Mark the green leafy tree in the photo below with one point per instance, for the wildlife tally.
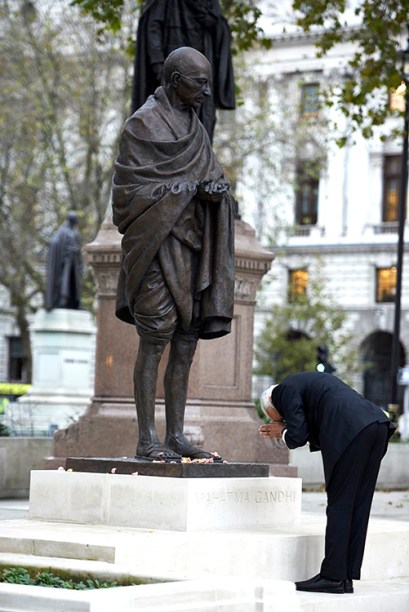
(374, 68)
(292, 332)
(63, 98)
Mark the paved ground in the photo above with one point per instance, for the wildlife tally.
(13, 509)
(387, 504)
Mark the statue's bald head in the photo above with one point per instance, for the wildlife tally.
(185, 60)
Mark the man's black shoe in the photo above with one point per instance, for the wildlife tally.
(319, 584)
(348, 586)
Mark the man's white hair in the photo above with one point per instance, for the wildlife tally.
(265, 398)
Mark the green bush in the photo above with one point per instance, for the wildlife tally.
(4, 431)
(16, 575)
(20, 575)
(14, 388)
(48, 579)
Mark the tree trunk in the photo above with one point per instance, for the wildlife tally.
(23, 325)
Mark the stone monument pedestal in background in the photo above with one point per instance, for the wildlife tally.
(63, 345)
(220, 413)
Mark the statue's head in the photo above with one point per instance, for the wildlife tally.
(187, 73)
(72, 218)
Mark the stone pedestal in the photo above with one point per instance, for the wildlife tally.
(175, 504)
(220, 414)
(63, 345)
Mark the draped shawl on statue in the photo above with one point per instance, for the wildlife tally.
(156, 177)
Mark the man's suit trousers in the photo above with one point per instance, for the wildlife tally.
(349, 497)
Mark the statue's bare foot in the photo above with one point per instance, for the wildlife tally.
(158, 452)
(183, 447)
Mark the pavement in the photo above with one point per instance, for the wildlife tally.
(392, 505)
(11, 509)
(386, 504)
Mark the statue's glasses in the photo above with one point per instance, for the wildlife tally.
(202, 83)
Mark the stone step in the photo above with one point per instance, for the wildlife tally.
(208, 594)
(283, 553)
(213, 561)
(368, 596)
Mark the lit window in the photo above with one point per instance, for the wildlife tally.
(307, 182)
(397, 98)
(386, 284)
(310, 103)
(297, 283)
(392, 171)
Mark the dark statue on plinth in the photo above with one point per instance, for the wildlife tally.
(166, 25)
(64, 266)
(175, 210)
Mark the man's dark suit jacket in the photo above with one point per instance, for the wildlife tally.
(320, 409)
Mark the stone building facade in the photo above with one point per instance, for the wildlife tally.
(342, 210)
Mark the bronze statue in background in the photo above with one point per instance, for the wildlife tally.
(174, 208)
(166, 25)
(64, 266)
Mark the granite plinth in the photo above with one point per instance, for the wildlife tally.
(129, 465)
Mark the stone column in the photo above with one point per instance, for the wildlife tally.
(220, 414)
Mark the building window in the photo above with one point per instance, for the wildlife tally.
(392, 171)
(310, 102)
(397, 98)
(297, 283)
(307, 182)
(17, 361)
(386, 284)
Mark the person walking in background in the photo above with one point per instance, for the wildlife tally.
(352, 434)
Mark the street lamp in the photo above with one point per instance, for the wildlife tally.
(395, 357)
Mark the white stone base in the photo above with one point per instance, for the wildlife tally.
(177, 504)
(63, 346)
(221, 571)
(63, 343)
